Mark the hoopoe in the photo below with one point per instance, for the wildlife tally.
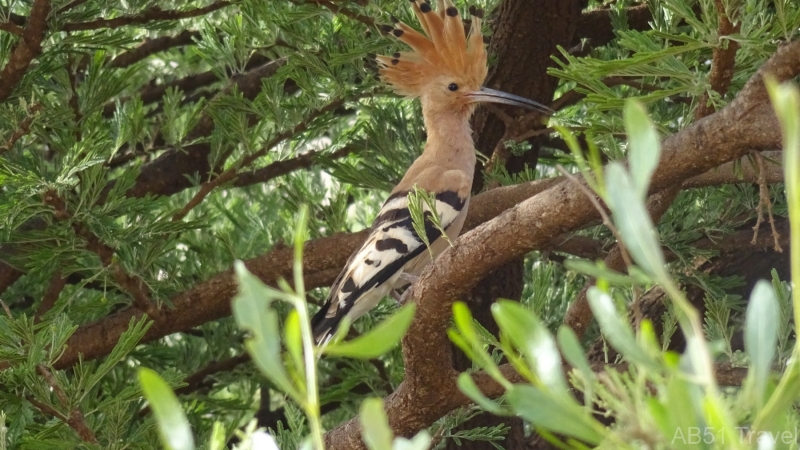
(445, 70)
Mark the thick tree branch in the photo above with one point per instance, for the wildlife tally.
(28, 47)
(149, 15)
(428, 391)
(11, 28)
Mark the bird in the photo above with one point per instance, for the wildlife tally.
(445, 69)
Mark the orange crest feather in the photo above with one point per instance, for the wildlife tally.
(443, 49)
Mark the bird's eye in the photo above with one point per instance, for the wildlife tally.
(453, 87)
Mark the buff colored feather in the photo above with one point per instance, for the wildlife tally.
(443, 50)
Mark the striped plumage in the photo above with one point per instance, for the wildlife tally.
(445, 70)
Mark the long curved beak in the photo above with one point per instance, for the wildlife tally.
(487, 95)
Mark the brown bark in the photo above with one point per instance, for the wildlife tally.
(526, 34)
(28, 47)
(553, 22)
(429, 389)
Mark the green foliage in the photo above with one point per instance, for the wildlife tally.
(82, 131)
(422, 206)
(644, 397)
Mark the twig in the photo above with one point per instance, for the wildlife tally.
(573, 96)
(23, 128)
(149, 15)
(579, 315)
(76, 419)
(57, 284)
(11, 28)
(27, 48)
(603, 214)
(197, 380)
(73, 98)
(70, 6)
(722, 62)
(516, 130)
(133, 284)
(763, 199)
(245, 161)
(6, 309)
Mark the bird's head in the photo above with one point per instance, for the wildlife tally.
(446, 68)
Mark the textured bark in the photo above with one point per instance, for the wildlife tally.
(526, 34)
(505, 282)
(429, 389)
(546, 24)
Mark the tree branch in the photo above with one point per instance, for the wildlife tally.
(23, 128)
(11, 28)
(76, 419)
(149, 15)
(286, 166)
(152, 46)
(246, 160)
(133, 284)
(28, 47)
(429, 390)
(722, 63)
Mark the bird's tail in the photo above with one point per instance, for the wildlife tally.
(324, 327)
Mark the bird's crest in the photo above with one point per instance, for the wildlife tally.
(443, 49)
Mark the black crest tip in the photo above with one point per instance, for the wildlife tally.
(394, 19)
(479, 13)
(395, 61)
(396, 55)
(451, 11)
(386, 29)
(397, 32)
(425, 7)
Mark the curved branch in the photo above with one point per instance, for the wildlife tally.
(149, 15)
(28, 47)
(429, 388)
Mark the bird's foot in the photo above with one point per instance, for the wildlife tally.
(408, 278)
(404, 298)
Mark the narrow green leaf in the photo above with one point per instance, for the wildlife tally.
(292, 338)
(374, 425)
(633, 222)
(574, 354)
(532, 338)
(466, 338)
(251, 309)
(558, 414)
(761, 334)
(378, 340)
(173, 427)
(615, 329)
(786, 101)
(217, 440)
(643, 145)
(422, 441)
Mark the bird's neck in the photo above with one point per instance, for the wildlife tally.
(450, 141)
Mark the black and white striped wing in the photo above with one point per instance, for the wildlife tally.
(373, 269)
